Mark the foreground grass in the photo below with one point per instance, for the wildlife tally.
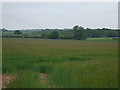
(69, 63)
(27, 79)
(95, 74)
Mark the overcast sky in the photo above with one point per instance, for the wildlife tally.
(21, 15)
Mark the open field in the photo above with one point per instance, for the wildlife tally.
(63, 63)
(106, 39)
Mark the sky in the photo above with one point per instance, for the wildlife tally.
(23, 15)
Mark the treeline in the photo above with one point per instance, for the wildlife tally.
(77, 32)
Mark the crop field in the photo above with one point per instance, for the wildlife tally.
(61, 63)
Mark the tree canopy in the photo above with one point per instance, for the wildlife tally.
(54, 35)
(17, 32)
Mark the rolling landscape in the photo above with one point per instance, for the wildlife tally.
(91, 63)
(59, 45)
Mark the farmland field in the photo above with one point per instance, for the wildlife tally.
(67, 63)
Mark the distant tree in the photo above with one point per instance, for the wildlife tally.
(44, 35)
(76, 32)
(54, 35)
(4, 30)
(26, 35)
(17, 32)
(112, 33)
(105, 29)
(76, 27)
(96, 33)
(79, 33)
(89, 32)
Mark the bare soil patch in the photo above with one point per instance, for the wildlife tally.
(43, 77)
(7, 78)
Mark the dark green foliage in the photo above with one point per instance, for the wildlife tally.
(17, 32)
(54, 35)
(44, 35)
(79, 33)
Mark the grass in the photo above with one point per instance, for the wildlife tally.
(27, 79)
(106, 39)
(69, 63)
(95, 74)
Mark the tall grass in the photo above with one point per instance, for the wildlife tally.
(68, 63)
(87, 74)
(27, 79)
